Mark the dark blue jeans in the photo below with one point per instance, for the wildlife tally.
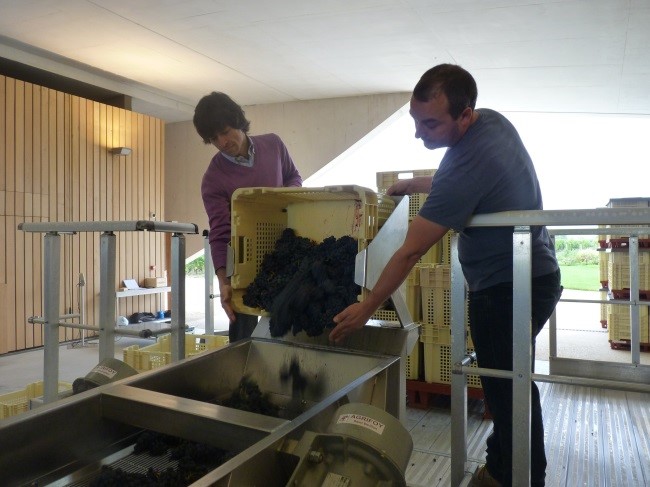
(242, 327)
(490, 317)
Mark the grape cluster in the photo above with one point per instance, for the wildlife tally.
(194, 460)
(249, 397)
(304, 285)
(277, 269)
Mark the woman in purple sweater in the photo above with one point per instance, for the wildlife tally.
(243, 161)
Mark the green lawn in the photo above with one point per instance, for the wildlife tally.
(581, 277)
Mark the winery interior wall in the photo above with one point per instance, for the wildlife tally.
(54, 167)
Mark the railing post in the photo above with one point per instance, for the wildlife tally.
(522, 355)
(635, 336)
(209, 285)
(107, 298)
(458, 381)
(178, 297)
(51, 291)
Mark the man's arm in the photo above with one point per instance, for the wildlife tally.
(421, 236)
(225, 293)
(421, 184)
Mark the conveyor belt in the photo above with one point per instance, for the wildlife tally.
(128, 462)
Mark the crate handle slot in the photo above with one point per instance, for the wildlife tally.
(241, 250)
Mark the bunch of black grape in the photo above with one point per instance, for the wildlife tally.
(249, 397)
(277, 269)
(194, 461)
(303, 284)
(320, 289)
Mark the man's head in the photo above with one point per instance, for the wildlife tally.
(217, 112)
(442, 105)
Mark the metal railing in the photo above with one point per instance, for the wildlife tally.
(627, 221)
(107, 306)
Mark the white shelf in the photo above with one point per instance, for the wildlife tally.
(142, 291)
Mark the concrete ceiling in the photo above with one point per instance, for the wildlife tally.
(588, 56)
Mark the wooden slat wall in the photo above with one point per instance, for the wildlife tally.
(55, 166)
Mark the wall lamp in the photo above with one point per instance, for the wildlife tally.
(120, 151)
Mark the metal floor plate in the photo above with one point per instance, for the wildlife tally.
(594, 437)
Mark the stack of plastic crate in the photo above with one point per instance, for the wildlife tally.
(435, 286)
(413, 296)
(618, 271)
(618, 316)
(386, 179)
(159, 354)
(615, 274)
(17, 402)
(618, 323)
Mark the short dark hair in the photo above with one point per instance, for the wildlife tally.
(456, 83)
(215, 112)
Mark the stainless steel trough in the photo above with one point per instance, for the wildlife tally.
(67, 442)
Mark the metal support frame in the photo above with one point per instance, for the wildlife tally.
(107, 313)
(209, 285)
(52, 278)
(107, 300)
(522, 375)
(634, 298)
(178, 292)
(522, 355)
(458, 383)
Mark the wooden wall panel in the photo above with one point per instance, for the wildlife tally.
(3, 305)
(3, 147)
(55, 165)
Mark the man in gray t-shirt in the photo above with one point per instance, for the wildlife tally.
(486, 169)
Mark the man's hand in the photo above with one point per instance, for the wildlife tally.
(225, 292)
(349, 320)
(420, 184)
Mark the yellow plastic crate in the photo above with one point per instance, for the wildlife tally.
(435, 276)
(437, 365)
(386, 179)
(435, 287)
(385, 207)
(618, 270)
(413, 362)
(626, 203)
(433, 255)
(445, 243)
(413, 296)
(603, 306)
(159, 354)
(618, 323)
(602, 267)
(441, 334)
(17, 402)
(260, 215)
